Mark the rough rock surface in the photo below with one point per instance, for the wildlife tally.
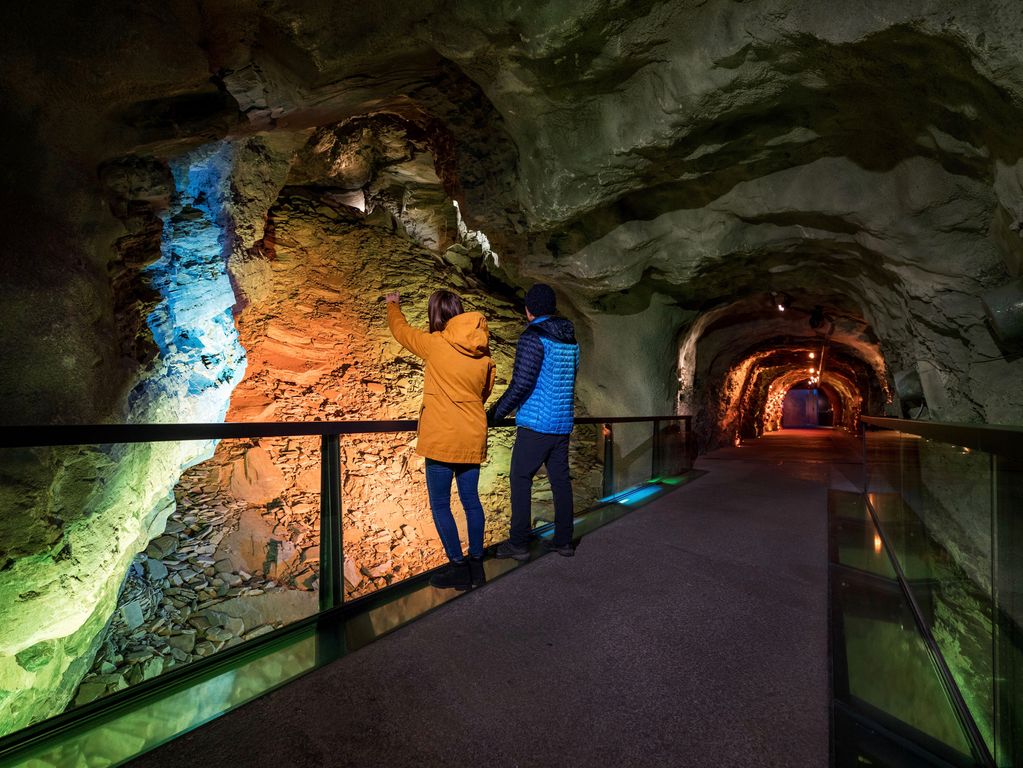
(678, 169)
(247, 520)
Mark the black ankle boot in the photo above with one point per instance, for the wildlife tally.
(452, 576)
(476, 573)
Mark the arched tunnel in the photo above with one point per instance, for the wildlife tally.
(768, 215)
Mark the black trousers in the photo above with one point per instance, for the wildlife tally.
(533, 450)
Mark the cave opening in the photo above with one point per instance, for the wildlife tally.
(806, 406)
(778, 360)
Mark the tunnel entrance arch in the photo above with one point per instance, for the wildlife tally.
(738, 361)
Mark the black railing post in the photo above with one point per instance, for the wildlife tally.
(689, 442)
(331, 569)
(866, 457)
(330, 635)
(609, 460)
(655, 450)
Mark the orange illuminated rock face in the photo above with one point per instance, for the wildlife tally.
(318, 349)
(240, 556)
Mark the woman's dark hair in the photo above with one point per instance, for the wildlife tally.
(443, 306)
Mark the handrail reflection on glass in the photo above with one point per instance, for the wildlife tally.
(1005, 440)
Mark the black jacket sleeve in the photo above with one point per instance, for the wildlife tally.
(528, 360)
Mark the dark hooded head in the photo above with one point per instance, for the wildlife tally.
(540, 300)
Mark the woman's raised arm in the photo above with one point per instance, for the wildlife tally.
(414, 340)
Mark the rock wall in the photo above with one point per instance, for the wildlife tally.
(103, 504)
(676, 169)
(243, 542)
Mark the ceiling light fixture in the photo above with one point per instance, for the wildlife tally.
(781, 300)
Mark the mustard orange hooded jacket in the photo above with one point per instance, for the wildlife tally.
(457, 380)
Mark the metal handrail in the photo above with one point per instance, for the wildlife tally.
(49, 435)
(1005, 440)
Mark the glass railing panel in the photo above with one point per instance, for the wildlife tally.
(237, 558)
(633, 454)
(387, 527)
(855, 541)
(947, 490)
(155, 555)
(672, 459)
(586, 463)
(946, 518)
(888, 671)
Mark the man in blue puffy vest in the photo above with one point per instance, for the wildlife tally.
(542, 391)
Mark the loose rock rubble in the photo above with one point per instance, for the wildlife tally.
(175, 605)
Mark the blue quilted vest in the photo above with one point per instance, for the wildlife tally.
(550, 408)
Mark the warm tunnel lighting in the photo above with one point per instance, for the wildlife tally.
(753, 392)
(780, 376)
(877, 544)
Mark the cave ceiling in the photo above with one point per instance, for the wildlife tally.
(671, 158)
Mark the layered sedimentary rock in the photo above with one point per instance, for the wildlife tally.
(244, 538)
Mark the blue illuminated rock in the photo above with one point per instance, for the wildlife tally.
(64, 600)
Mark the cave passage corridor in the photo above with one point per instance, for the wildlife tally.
(789, 237)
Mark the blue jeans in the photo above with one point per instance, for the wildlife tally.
(438, 486)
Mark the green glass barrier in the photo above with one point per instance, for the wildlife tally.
(950, 514)
(182, 550)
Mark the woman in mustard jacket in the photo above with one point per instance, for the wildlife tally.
(458, 378)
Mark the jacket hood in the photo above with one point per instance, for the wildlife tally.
(468, 333)
(557, 328)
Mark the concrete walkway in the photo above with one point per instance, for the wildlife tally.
(692, 632)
